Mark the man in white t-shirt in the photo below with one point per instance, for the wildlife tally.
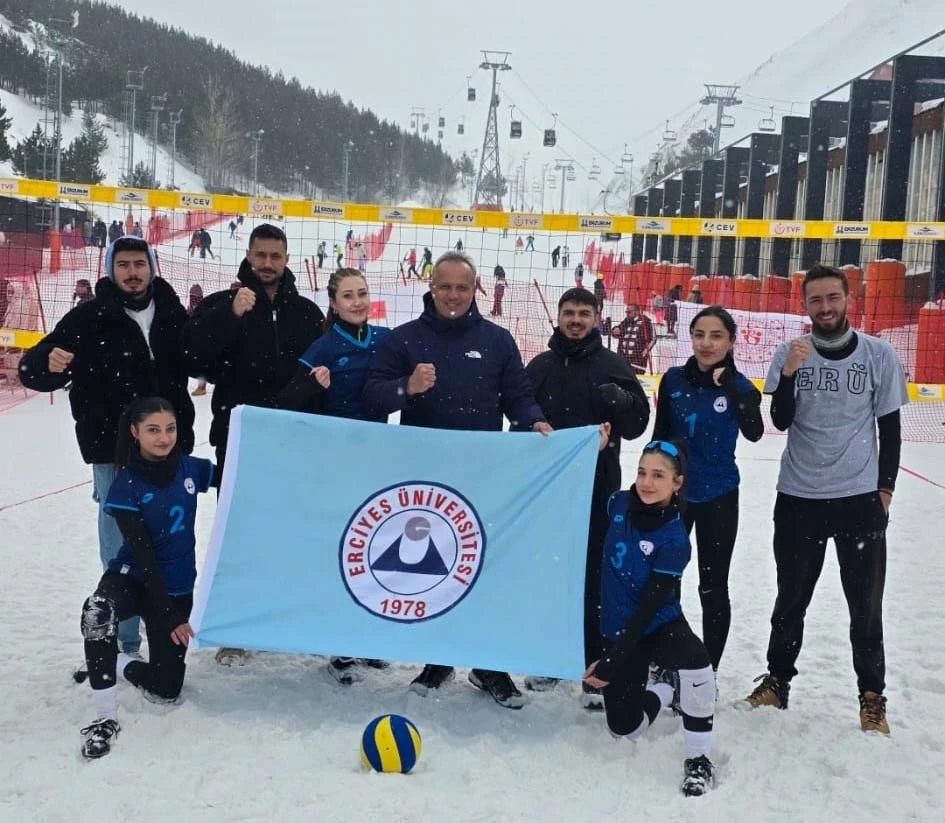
(831, 390)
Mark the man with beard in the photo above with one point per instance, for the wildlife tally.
(831, 389)
(578, 382)
(248, 341)
(453, 369)
(122, 345)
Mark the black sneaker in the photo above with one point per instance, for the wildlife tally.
(344, 670)
(98, 735)
(698, 779)
(499, 685)
(591, 699)
(671, 678)
(537, 683)
(432, 677)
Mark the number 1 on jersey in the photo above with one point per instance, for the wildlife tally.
(691, 420)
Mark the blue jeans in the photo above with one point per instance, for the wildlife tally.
(109, 543)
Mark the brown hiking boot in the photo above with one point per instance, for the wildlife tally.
(873, 713)
(770, 692)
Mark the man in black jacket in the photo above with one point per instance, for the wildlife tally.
(123, 344)
(248, 341)
(578, 382)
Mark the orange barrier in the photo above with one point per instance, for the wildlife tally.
(746, 293)
(776, 294)
(885, 295)
(930, 344)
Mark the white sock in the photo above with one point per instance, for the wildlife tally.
(106, 703)
(697, 743)
(123, 660)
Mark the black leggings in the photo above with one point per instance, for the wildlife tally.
(716, 524)
(628, 704)
(118, 597)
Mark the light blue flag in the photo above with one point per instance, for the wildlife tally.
(341, 537)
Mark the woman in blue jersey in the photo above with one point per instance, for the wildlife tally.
(154, 502)
(330, 380)
(645, 552)
(705, 404)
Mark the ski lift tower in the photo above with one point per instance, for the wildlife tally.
(490, 171)
(722, 97)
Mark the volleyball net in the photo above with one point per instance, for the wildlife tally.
(650, 275)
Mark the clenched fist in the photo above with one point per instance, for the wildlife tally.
(60, 360)
(798, 352)
(422, 379)
(322, 376)
(244, 301)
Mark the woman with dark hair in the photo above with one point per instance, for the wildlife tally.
(330, 380)
(154, 502)
(705, 404)
(641, 619)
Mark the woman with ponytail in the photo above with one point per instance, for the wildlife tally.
(705, 404)
(330, 380)
(154, 502)
(331, 374)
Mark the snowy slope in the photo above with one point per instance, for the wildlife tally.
(865, 33)
(26, 115)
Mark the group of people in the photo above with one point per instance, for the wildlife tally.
(129, 351)
(201, 241)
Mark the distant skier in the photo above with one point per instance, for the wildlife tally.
(498, 291)
(459, 245)
(321, 254)
(530, 242)
(232, 228)
(579, 275)
(555, 254)
(411, 260)
(339, 254)
(564, 257)
(204, 240)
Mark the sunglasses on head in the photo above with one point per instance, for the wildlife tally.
(662, 446)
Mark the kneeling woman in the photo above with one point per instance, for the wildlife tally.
(645, 552)
(154, 501)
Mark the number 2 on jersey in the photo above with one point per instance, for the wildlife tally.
(177, 519)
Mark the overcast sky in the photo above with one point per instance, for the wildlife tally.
(613, 76)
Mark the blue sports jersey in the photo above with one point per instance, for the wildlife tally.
(169, 515)
(630, 557)
(347, 359)
(705, 419)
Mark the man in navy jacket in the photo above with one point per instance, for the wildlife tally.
(452, 369)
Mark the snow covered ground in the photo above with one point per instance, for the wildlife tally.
(277, 739)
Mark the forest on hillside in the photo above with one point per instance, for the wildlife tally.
(222, 100)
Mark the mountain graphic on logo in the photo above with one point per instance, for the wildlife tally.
(416, 535)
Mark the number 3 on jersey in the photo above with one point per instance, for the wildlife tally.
(177, 519)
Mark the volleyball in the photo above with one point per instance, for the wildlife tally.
(390, 743)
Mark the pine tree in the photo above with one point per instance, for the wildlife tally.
(28, 154)
(141, 178)
(80, 159)
(5, 123)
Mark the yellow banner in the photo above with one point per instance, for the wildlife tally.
(515, 221)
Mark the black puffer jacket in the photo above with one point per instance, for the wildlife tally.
(567, 381)
(250, 359)
(112, 366)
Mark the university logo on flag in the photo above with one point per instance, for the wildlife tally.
(335, 536)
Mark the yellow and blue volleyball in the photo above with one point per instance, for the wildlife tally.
(390, 743)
